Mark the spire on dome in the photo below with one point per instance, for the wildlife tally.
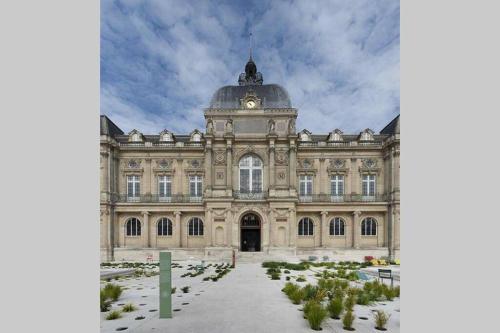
(251, 76)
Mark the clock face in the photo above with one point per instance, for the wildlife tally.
(250, 104)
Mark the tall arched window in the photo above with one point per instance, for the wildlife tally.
(337, 227)
(250, 174)
(369, 227)
(133, 227)
(306, 227)
(195, 227)
(164, 227)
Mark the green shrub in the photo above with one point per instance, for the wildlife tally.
(381, 319)
(185, 289)
(296, 296)
(113, 291)
(129, 307)
(396, 291)
(105, 304)
(316, 314)
(363, 298)
(347, 320)
(389, 293)
(173, 290)
(301, 278)
(349, 302)
(289, 288)
(335, 307)
(286, 271)
(325, 284)
(114, 315)
(275, 276)
(309, 291)
(287, 278)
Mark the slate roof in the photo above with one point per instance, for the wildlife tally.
(108, 127)
(271, 95)
(392, 127)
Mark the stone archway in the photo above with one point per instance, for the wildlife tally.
(250, 233)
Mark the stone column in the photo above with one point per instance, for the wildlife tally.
(111, 232)
(396, 228)
(104, 175)
(324, 229)
(229, 168)
(322, 181)
(272, 230)
(208, 168)
(210, 232)
(293, 167)
(265, 226)
(145, 230)
(179, 173)
(178, 227)
(146, 180)
(234, 227)
(271, 165)
(293, 227)
(356, 232)
(354, 176)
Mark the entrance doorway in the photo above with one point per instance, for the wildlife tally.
(250, 233)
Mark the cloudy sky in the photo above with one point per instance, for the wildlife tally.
(161, 61)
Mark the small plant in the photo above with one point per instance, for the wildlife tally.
(129, 307)
(350, 301)
(301, 278)
(396, 291)
(315, 314)
(185, 289)
(173, 290)
(286, 271)
(296, 296)
(114, 315)
(287, 278)
(113, 291)
(275, 276)
(347, 320)
(289, 288)
(309, 291)
(381, 319)
(335, 307)
(105, 304)
(363, 299)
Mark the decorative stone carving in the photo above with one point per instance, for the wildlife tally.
(229, 126)
(337, 163)
(282, 175)
(220, 157)
(305, 163)
(133, 164)
(220, 175)
(369, 163)
(271, 126)
(196, 164)
(281, 157)
(210, 126)
(291, 126)
(164, 164)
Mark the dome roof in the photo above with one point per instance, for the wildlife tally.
(250, 82)
(271, 95)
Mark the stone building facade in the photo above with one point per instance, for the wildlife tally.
(251, 183)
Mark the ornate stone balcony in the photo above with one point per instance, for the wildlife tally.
(250, 195)
(154, 198)
(342, 198)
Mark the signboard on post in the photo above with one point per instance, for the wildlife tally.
(165, 285)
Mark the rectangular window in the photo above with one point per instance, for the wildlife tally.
(337, 185)
(305, 187)
(368, 185)
(195, 186)
(164, 187)
(133, 187)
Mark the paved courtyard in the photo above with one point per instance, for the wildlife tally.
(246, 300)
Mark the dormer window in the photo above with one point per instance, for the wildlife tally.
(336, 135)
(305, 135)
(366, 135)
(166, 136)
(196, 136)
(135, 136)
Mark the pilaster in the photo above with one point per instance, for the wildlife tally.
(145, 230)
(178, 227)
(324, 229)
(356, 232)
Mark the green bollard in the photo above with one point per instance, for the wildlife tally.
(165, 285)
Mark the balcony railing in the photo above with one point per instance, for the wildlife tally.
(249, 195)
(342, 198)
(156, 198)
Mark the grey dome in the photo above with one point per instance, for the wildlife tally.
(271, 95)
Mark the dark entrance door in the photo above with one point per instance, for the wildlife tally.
(250, 233)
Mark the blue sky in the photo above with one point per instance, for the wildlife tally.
(161, 61)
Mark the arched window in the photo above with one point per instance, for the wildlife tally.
(164, 227)
(306, 227)
(250, 174)
(133, 227)
(369, 227)
(337, 227)
(195, 227)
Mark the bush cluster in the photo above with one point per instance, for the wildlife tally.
(110, 293)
